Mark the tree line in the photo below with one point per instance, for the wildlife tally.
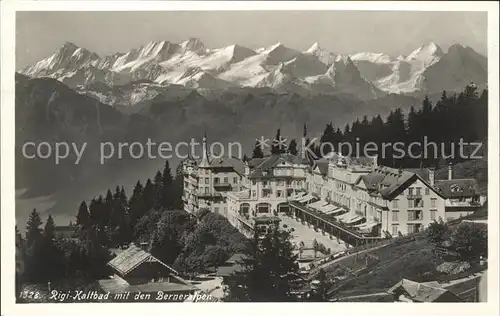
(451, 119)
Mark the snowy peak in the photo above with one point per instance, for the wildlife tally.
(278, 53)
(68, 57)
(428, 53)
(379, 58)
(193, 45)
(239, 53)
(190, 64)
(323, 56)
(313, 49)
(159, 50)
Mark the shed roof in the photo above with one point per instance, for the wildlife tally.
(132, 257)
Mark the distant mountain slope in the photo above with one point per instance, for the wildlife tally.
(427, 69)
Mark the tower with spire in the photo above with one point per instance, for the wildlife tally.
(205, 162)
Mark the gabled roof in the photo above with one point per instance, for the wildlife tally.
(271, 162)
(466, 188)
(422, 172)
(229, 162)
(130, 258)
(390, 182)
(322, 166)
(422, 293)
(254, 162)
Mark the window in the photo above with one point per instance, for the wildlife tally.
(415, 215)
(254, 182)
(395, 229)
(410, 203)
(278, 193)
(235, 180)
(410, 228)
(395, 216)
(394, 203)
(266, 183)
(288, 182)
(265, 193)
(433, 202)
(433, 214)
(427, 191)
(226, 180)
(216, 181)
(410, 191)
(216, 209)
(254, 193)
(206, 180)
(206, 190)
(418, 191)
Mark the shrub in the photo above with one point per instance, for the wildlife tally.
(437, 231)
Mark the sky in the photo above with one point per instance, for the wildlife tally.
(39, 34)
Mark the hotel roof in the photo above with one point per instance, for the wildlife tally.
(389, 182)
(457, 188)
(271, 162)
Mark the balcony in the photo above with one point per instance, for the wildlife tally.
(205, 195)
(449, 203)
(222, 186)
(413, 196)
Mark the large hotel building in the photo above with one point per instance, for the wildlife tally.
(355, 200)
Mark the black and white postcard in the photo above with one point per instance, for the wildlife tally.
(249, 152)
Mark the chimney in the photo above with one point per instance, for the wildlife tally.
(144, 245)
(375, 161)
(431, 176)
(450, 172)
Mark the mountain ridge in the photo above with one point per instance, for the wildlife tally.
(277, 67)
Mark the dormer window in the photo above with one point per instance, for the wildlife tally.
(455, 188)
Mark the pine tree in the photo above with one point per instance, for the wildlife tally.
(268, 270)
(167, 200)
(83, 215)
(257, 151)
(135, 204)
(33, 230)
(48, 231)
(159, 192)
(278, 147)
(292, 147)
(148, 197)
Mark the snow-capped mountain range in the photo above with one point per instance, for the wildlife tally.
(190, 65)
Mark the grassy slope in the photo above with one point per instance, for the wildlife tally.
(413, 260)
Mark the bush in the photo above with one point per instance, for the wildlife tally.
(437, 231)
(470, 239)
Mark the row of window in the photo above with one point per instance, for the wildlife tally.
(411, 228)
(414, 215)
(218, 180)
(279, 183)
(266, 193)
(418, 191)
(412, 203)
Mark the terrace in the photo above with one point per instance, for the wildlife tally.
(334, 219)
